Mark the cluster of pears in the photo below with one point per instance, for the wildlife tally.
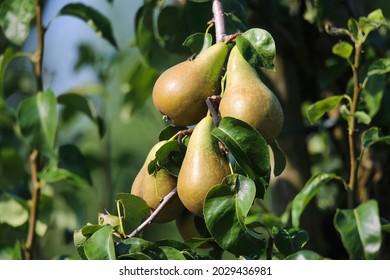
(180, 93)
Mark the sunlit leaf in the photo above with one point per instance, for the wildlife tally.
(360, 230)
(258, 48)
(137, 245)
(225, 209)
(100, 246)
(15, 17)
(172, 253)
(307, 193)
(343, 49)
(12, 210)
(372, 136)
(37, 119)
(315, 111)
(353, 27)
(377, 17)
(379, 67)
(95, 19)
(362, 117)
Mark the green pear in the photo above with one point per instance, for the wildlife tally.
(248, 99)
(154, 187)
(204, 166)
(180, 92)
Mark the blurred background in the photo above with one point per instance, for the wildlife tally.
(119, 82)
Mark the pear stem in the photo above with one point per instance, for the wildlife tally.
(155, 213)
(212, 110)
(219, 20)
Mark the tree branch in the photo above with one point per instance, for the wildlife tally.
(155, 213)
(35, 156)
(219, 20)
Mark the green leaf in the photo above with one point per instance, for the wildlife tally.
(335, 31)
(12, 210)
(304, 255)
(90, 229)
(96, 20)
(290, 240)
(169, 131)
(225, 209)
(134, 211)
(360, 230)
(345, 112)
(5, 59)
(353, 26)
(37, 119)
(386, 228)
(373, 92)
(84, 105)
(379, 67)
(138, 245)
(343, 49)
(247, 147)
(79, 241)
(198, 42)
(377, 16)
(279, 159)
(172, 253)
(362, 117)
(15, 17)
(306, 194)
(258, 47)
(315, 111)
(170, 157)
(100, 246)
(58, 174)
(372, 136)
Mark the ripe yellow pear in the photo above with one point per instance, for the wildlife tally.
(154, 187)
(180, 92)
(203, 167)
(248, 99)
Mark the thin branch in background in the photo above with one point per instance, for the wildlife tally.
(35, 156)
(219, 20)
(155, 213)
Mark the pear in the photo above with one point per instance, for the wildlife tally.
(248, 99)
(154, 187)
(204, 166)
(180, 91)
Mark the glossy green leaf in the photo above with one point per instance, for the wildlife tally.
(379, 67)
(315, 111)
(343, 49)
(95, 19)
(304, 255)
(169, 131)
(170, 157)
(138, 245)
(373, 135)
(279, 159)
(225, 209)
(258, 47)
(90, 229)
(360, 230)
(37, 119)
(100, 246)
(290, 240)
(134, 211)
(353, 27)
(248, 148)
(15, 17)
(82, 104)
(12, 210)
(306, 194)
(198, 42)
